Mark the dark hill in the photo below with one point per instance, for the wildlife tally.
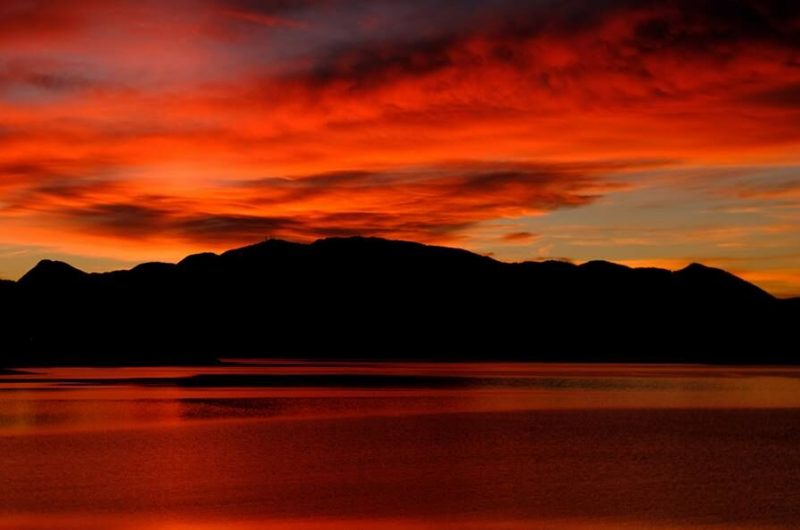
(374, 298)
(51, 274)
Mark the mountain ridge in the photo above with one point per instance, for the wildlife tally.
(62, 267)
(377, 298)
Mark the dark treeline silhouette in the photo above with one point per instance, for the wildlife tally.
(378, 299)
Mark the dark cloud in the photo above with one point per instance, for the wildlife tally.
(131, 220)
(227, 228)
(136, 221)
(364, 68)
(141, 222)
(74, 188)
(26, 19)
(519, 237)
(51, 77)
(786, 189)
(429, 203)
(272, 7)
(621, 37)
(32, 172)
(45, 183)
(784, 97)
(58, 81)
(457, 186)
(23, 169)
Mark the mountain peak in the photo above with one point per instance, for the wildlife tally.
(604, 266)
(721, 284)
(262, 249)
(696, 268)
(49, 272)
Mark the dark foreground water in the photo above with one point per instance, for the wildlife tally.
(391, 446)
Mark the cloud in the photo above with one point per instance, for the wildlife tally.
(616, 49)
(136, 221)
(43, 77)
(215, 122)
(26, 20)
(130, 220)
(519, 237)
(449, 187)
(429, 203)
(782, 97)
(786, 190)
(262, 19)
(34, 185)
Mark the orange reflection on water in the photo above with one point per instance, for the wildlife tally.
(66, 399)
(95, 523)
(575, 447)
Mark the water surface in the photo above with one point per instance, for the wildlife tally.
(276, 444)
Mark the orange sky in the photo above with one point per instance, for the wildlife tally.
(659, 135)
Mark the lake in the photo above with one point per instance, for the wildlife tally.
(356, 445)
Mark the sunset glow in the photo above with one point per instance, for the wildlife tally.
(147, 130)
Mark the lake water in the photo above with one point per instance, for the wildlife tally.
(301, 445)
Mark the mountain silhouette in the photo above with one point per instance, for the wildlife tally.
(378, 299)
(48, 273)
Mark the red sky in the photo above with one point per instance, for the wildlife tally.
(648, 133)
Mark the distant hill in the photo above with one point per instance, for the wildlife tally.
(375, 298)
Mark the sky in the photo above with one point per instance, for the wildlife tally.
(645, 133)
